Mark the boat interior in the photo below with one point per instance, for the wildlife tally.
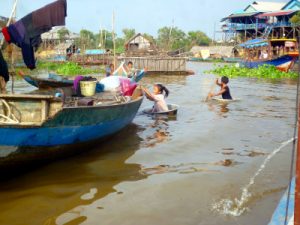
(34, 108)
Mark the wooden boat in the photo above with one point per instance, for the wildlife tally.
(57, 81)
(50, 82)
(232, 59)
(281, 53)
(171, 112)
(41, 127)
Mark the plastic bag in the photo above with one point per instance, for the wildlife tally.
(111, 83)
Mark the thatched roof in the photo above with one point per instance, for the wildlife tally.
(54, 34)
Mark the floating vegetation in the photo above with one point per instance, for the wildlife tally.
(68, 68)
(265, 71)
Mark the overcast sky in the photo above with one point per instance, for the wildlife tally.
(144, 16)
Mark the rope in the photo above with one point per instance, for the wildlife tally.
(294, 149)
(10, 118)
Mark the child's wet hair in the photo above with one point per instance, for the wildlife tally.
(225, 80)
(162, 89)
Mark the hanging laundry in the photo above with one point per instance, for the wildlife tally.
(3, 68)
(26, 33)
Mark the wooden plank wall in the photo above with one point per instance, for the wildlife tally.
(156, 64)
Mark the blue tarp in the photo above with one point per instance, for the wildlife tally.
(95, 51)
(257, 42)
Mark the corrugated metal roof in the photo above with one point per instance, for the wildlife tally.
(246, 14)
(237, 15)
(264, 6)
(276, 13)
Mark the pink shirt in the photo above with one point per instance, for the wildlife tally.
(160, 104)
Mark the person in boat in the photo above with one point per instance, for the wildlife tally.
(225, 91)
(4, 74)
(110, 70)
(131, 71)
(160, 93)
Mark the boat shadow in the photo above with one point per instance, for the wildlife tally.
(78, 180)
(21, 161)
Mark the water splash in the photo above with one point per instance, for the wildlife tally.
(238, 206)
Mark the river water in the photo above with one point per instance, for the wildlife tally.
(175, 171)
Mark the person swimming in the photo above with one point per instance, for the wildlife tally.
(225, 91)
(160, 92)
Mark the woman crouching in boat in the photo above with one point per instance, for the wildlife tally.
(160, 92)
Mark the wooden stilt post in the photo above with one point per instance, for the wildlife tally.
(297, 188)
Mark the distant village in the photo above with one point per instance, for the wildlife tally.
(260, 19)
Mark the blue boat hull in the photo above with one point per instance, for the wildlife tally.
(274, 62)
(69, 129)
(279, 215)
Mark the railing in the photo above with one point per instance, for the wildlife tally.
(239, 27)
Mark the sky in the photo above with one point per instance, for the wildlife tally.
(143, 16)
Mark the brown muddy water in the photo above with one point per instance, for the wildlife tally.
(188, 170)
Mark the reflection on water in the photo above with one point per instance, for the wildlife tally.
(159, 167)
(220, 108)
(157, 132)
(55, 188)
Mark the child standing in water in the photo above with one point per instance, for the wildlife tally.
(225, 92)
(160, 92)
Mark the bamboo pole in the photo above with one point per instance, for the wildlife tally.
(114, 38)
(13, 12)
(12, 54)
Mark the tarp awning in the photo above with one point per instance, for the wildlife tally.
(95, 51)
(276, 13)
(258, 42)
(238, 15)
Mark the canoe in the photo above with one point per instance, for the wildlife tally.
(57, 81)
(171, 112)
(40, 127)
(47, 82)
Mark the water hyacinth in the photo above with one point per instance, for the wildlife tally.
(264, 71)
(71, 68)
(68, 68)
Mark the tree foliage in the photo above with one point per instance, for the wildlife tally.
(88, 39)
(62, 33)
(296, 19)
(128, 33)
(173, 38)
(198, 38)
(168, 39)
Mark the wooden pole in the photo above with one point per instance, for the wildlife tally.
(297, 188)
(13, 12)
(114, 38)
(12, 52)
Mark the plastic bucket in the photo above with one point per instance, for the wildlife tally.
(88, 88)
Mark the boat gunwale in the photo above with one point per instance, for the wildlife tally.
(63, 110)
